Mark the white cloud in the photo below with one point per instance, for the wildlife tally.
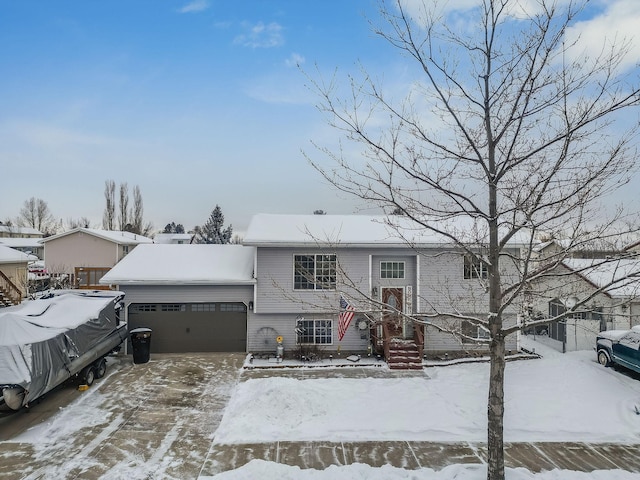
(616, 25)
(261, 35)
(294, 60)
(195, 6)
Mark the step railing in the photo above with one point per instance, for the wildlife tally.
(10, 290)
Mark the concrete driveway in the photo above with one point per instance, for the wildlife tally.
(145, 421)
(157, 420)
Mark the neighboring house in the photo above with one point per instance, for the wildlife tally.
(13, 276)
(7, 231)
(28, 245)
(195, 298)
(305, 263)
(86, 254)
(614, 301)
(173, 238)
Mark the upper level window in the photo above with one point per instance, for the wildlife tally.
(475, 268)
(314, 272)
(125, 250)
(391, 269)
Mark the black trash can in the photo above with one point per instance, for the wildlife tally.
(141, 343)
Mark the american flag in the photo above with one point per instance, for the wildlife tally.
(345, 317)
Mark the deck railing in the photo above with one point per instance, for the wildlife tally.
(9, 290)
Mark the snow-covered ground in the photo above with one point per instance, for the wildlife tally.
(566, 397)
(260, 470)
(557, 398)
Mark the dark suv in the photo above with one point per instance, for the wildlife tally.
(619, 347)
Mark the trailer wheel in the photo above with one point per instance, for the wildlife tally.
(88, 375)
(101, 368)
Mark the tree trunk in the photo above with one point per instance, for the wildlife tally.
(495, 410)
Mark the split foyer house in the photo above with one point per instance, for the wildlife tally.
(85, 254)
(305, 265)
(284, 287)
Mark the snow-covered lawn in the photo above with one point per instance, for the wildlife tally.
(557, 398)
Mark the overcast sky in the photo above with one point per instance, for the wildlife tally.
(197, 102)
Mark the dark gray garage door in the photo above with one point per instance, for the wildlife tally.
(192, 327)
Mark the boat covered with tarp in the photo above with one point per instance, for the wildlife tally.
(46, 341)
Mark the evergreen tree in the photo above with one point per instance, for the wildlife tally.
(173, 228)
(212, 231)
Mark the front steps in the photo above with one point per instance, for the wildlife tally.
(404, 355)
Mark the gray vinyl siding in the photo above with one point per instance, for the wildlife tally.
(274, 274)
(263, 328)
(437, 341)
(436, 276)
(443, 288)
(186, 293)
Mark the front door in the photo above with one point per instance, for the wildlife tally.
(394, 298)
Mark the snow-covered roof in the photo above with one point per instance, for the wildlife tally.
(115, 236)
(617, 277)
(173, 238)
(10, 255)
(334, 230)
(20, 230)
(170, 264)
(21, 242)
(353, 230)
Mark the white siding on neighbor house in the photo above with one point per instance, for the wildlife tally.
(562, 284)
(625, 314)
(262, 330)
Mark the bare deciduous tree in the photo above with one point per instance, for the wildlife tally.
(109, 215)
(512, 130)
(137, 215)
(128, 219)
(123, 211)
(82, 222)
(35, 213)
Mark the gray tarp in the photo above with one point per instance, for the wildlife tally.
(42, 340)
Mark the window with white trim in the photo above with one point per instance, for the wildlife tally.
(475, 268)
(314, 272)
(391, 269)
(314, 332)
